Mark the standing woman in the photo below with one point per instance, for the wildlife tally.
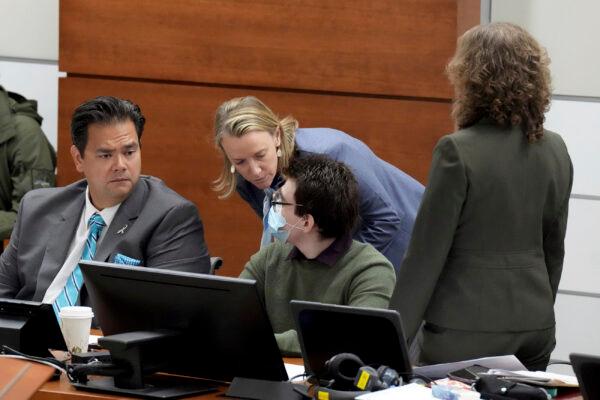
(486, 254)
(257, 145)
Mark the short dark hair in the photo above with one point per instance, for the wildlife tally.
(103, 110)
(327, 190)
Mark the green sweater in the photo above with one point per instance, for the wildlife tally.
(361, 277)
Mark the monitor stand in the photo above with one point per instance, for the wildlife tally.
(143, 353)
(157, 386)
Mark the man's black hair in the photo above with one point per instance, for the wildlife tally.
(327, 190)
(104, 110)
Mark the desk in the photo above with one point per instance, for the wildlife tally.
(62, 389)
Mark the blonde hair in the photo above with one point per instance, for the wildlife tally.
(242, 115)
(501, 72)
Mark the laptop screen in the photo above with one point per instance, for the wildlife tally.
(374, 335)
(587, 369)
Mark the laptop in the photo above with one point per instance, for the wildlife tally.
(374, 335)
(587, 369)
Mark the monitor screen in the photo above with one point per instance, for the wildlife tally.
(374, 335)
(223, 328)
(587, 369)
(29, 327)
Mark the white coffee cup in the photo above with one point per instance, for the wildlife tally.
(75, 324)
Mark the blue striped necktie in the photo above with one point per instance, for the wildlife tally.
(69, 294)
(266, 235)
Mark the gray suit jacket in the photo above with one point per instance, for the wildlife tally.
(163, 230)
(487, 248)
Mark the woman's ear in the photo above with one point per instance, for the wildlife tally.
(277, 137)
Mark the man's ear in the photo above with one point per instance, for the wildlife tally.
(308, 223)
(77, 158)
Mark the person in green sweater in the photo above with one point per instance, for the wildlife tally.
(315, 259)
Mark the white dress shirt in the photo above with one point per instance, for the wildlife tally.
(76, 247)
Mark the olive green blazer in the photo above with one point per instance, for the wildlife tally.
(487, 248)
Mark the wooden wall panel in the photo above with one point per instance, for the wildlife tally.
(372, 68)
(468, 15)
(178, 147)
(385, 47)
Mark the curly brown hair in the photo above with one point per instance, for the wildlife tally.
(499, 71)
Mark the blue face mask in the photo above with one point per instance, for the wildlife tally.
(275, 224)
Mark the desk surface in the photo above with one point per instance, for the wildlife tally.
(62, 389)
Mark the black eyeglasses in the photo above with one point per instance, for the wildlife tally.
(277, 203)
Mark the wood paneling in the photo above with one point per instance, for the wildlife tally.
(372, 68)
(178, 147)
(387, 47)
(468, 15)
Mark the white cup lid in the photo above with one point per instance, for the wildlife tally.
(76, 312)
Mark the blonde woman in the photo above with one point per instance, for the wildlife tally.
(257, 145)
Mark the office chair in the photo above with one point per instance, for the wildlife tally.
(215, 264)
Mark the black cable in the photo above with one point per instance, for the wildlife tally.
(413, 376)
(44, 360)
(308, 376)
(559, 362)
(79, 372)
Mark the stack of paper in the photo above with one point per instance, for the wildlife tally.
(438, 371)
(411, 391)
(538, 378)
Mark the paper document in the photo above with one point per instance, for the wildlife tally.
(411, 391)
(437, 371)
(93, 339)
(538, 378)
(294, 370)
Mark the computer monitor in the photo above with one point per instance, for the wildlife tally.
(374, 335)
(222, 327)
(29, 327)
(587, 369)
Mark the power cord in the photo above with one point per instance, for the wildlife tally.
(420, 379)
(559, 362)
(79, 372)
(59, 366)
(304, 374)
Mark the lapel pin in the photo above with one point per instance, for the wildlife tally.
(122, 230)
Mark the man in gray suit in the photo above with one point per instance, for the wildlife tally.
(143, 221)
